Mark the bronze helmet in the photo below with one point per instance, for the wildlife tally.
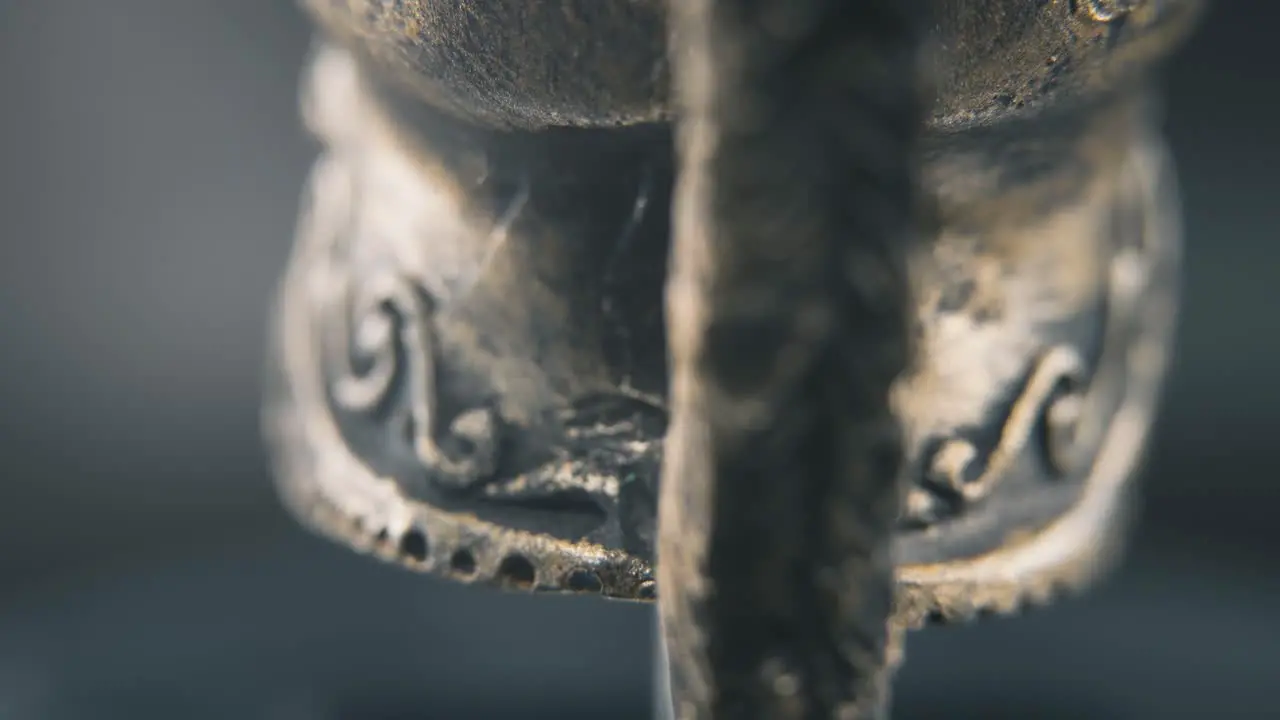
(469, 359)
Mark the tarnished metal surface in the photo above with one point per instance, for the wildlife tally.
(599, 63)
(469, 369)
(547, 351)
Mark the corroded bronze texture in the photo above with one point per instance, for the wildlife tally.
(469, 355)
(600, 63)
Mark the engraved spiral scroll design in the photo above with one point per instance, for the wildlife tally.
(959, 473)
(383, 345)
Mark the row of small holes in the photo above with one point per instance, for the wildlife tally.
(515, 570)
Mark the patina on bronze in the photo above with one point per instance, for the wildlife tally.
(469, 372)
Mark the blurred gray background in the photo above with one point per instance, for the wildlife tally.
(150, 165)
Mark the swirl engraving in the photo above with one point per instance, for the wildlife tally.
(958, 473)
(391, 347)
